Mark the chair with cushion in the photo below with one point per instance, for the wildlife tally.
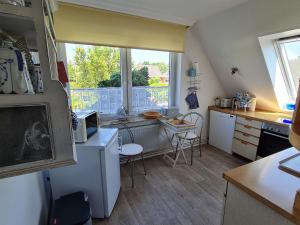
(131, 151)
(194, 135)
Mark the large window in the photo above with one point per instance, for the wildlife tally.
(289, 49)
(95, 82)
(150, 79)
(105, 78)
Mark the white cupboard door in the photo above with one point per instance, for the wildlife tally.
(110, 163)
(221, 130)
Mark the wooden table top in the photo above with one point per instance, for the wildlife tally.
(259, 115)
(267, 183)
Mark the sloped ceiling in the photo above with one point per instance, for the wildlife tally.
(230, 39)
(185, 12)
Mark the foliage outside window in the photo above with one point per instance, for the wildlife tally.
(97, 81)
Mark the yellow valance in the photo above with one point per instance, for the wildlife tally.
(78, 24)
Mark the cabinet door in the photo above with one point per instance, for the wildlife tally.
(242, 209)
(84, 176)
(110, 164)
(244, 149)
(221, 130)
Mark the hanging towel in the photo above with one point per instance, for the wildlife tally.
(192, 101)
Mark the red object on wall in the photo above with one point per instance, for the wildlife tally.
(62, 73)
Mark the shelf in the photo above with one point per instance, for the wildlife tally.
(19, 11)
(18, 26)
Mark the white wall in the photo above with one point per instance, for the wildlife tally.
(230, 39)
(23, 200)
(210, 86)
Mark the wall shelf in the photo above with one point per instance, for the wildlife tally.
(39, 34)
(19, 11)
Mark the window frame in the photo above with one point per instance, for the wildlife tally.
(284, 64)
(126, 81)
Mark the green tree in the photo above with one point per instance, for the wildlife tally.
(163, 67)
(139, 78)
(114, 81)
(91, 66)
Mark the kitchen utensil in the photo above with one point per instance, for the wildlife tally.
(151, 115)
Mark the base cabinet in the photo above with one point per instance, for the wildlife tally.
(242, 209)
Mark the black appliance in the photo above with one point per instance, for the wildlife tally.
(273, 139)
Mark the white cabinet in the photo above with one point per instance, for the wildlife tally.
(96, 173)
(243, 209)
(35, 143)
(246, 137)
(221, 130)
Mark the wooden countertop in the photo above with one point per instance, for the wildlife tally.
(260, 115)
(270, 185)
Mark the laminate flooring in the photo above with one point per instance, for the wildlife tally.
(184, 195)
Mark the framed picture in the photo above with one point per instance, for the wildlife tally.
(25, 134)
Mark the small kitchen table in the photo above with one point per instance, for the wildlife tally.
(177, 133)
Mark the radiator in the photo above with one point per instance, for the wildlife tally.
(149, 136)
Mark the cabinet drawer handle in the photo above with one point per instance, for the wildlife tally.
(248, 127)
(244, 142)
(246, 135)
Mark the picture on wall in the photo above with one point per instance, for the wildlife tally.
(25, 134)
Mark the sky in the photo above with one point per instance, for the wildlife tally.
(138, 56)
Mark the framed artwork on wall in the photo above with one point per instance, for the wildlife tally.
(25, 134)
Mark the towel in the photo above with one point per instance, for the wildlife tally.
(192, 101)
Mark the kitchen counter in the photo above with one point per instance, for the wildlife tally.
(265, 182)
(99, 140)
(259, 115)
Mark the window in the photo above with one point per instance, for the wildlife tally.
(106, 78)
(150, 79)
(95, 78)
(289, 50)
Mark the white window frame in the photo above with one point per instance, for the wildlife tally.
(287, 74)
(126, 79)
(276, 67)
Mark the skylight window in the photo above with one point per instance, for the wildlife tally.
(289, 51)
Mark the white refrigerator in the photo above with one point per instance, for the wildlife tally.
(97, 173)
(221, 130)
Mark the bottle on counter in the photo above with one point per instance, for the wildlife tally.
(217, 101)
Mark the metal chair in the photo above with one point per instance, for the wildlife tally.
(194, 135)
(130, 151)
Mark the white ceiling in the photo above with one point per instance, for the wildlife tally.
(184, 12)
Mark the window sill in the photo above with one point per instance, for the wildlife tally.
(134, 121)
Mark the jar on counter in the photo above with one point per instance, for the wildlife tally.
(217, 101)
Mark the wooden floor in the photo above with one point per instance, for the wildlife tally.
(182, 195)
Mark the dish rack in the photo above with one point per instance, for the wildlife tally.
(194, 77)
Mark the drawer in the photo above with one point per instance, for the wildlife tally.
(249, 122)
(246, 137)
(244, 149)
(248, 130)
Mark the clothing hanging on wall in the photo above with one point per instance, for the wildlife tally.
(192, 100)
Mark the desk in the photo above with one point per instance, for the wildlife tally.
(176, 132)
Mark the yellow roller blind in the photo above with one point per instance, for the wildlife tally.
(78, 24)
